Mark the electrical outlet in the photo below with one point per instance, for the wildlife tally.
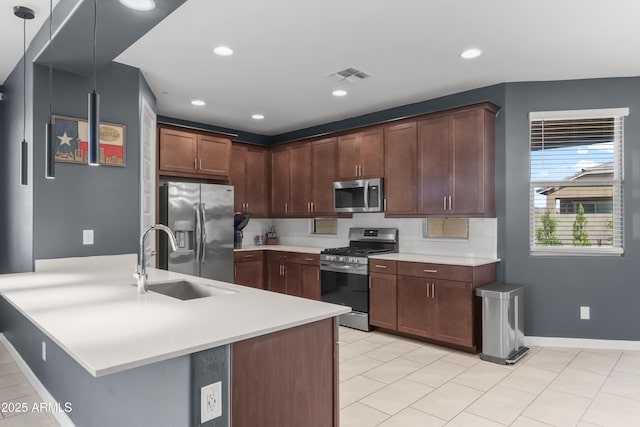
(585, 312)
(87, 237)
(210, 402)
(44, 351)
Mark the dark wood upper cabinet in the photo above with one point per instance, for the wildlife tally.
(280, 172)
(361, 155)
(214, 155)
(400, 169)
(196, 154)
(177, 151)
(324, 165)
(456, 163)
(300, 180)
(248, 175)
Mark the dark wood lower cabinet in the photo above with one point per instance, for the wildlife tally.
(310, 282)
(434, 301)
(287, 378)
(383, 295)
(249, 269)
(414, 306)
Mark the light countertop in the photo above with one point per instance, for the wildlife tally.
(91, 309)
(283, 248)
(438, 259)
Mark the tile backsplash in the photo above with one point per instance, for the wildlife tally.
(482, 240)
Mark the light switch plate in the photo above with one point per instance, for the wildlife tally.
(87, 237)
(585, 312)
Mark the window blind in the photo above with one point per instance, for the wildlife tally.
(576, 179)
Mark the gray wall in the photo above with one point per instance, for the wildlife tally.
(104, 199)
(557, 286)
(16, 215)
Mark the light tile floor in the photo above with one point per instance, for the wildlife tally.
(391, 381)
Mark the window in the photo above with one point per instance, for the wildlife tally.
(324, 226)
(576, 164)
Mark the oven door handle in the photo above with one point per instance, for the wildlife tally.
(343, 268)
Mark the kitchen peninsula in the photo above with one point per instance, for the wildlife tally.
(121, 358)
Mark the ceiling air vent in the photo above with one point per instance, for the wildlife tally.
(350, 74)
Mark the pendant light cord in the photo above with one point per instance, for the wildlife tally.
(24, 79)
(95, 33)
(50, 56)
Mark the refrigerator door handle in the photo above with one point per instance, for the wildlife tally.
(198, 232)
(204, 234)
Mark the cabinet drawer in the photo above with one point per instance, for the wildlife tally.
(436, 271)
(382, 266)
(302, 258)
(278, 256)
(246, 256)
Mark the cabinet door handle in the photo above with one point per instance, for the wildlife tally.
(247, 206)
(356, 170)
(369, 282)
(427, 289)
(433, 290)
(200, 164)
(430, 271)
(286, 207)
(318, 274)
(444, 203)
(312, 209)
(360, 173)
(381, 266)
(385, 204)
(450, 203)
(195, 164)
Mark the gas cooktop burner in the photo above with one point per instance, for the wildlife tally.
(353, 251)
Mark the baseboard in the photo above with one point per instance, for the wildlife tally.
(61, 417)
(581, 343)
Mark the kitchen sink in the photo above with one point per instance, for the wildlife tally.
(185, 290)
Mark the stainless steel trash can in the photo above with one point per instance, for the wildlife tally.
(502, 323)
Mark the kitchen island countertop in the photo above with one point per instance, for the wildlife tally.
(91, 309)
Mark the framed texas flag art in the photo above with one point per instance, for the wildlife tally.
(70, 138)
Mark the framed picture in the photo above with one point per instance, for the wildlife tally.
(71, 136)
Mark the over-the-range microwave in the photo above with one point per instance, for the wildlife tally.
(362, 195)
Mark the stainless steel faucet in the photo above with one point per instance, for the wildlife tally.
(141, 273)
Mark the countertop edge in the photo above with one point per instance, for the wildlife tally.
(437, 259)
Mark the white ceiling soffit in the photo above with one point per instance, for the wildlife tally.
(11, 31)
(285, 50)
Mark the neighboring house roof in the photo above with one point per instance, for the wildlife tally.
(584, 173)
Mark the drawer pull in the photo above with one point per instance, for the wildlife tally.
(249, 256)
(381, 266)
(308, 259)
(430, 271)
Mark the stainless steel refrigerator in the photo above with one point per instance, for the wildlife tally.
(201, 216)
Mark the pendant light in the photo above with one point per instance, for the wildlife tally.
(24, 13)
(50, 159)
(93, 157)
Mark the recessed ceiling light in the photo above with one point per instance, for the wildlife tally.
(471, 53)
(198, 102)
(258, 116)
(139, 4)
(339, 92)
(223, 51)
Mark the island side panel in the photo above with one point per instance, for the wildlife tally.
(287, 378)
(153, 395)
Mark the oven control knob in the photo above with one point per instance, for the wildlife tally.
(341, 259)
(353, 260)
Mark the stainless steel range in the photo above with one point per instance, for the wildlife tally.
(344, 272)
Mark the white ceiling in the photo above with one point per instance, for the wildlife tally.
(285, 49)
(11, 31)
